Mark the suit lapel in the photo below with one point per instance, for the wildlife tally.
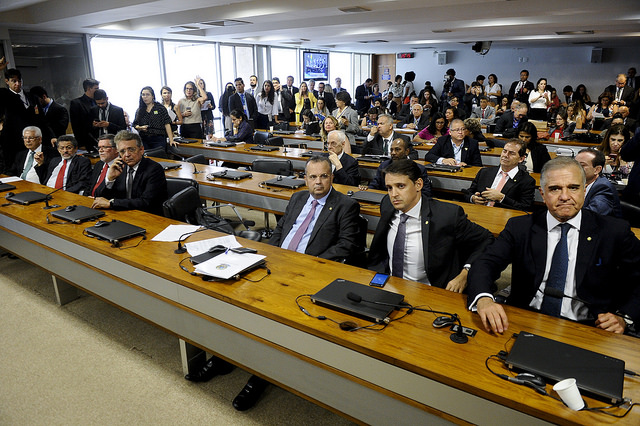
(587, 243)
(539, 246)
(425, 219)
(327, 210)
(295, 212)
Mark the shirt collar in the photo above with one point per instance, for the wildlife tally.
(512, 173)
(322, 200)
(552, 222)
(414, 212)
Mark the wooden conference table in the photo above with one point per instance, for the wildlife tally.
(409, 373)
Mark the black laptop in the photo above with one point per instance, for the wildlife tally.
(314, 153)
(185, 140)
(220, 144)
(368, 197)
(26, 198)
(77, 214)
(285, 182)
(229, 174)
(334, 296)
(373, 158)
(266, 148)
(114, 231)
(169, 166)
(596, 374)
(442, 168)
(6, 187)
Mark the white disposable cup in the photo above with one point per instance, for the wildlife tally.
(271, 128)
(568, 391)
(556, 137)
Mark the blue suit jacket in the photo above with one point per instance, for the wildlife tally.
(378, 180)
(603, 198)
(470, 151)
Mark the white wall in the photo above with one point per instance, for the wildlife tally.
(560, 65)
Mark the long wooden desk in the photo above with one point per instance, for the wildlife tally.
(409, 373)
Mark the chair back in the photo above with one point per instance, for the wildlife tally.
(275, 141)
(183, 205)
(158, 152)
(260, 137)
(175, 185)
(631, 213)
(280, 167)
(198, 159)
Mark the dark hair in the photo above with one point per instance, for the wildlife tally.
(38, 91)
(529, 128)
(562, 112)
(405, 143)
(527, 71)
(484, 97)
(540, 79)
(344, 96)
(270, 96)
(67, 138)
(522, 151)
(167, 88)
(598, 156)
(89, 83)
(605, 95)
(99, 95)
(403, 167)
(239, 114)
(368, 80)
(373, 110)
(253, 75)
(12, 72)
(141, 104)
(230, 88)
(495, 77)
(567, 88)
(455, 112)
(451, 71)
(239, 79)
(276, 79)
(432, 125)
(307, 113)
(480, 77)
(617, 129)
(195, 90)
(398, 77)
(409, 75)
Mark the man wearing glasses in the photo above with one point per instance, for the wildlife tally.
(69, 172)
(32, 164)
(455, 149)
(132, 181)
(108, 153)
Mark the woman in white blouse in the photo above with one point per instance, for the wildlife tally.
(268, 109)
(493, 90)
(539, 101)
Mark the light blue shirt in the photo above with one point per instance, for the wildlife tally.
(302, 247)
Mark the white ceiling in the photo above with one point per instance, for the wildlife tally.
(319, 24)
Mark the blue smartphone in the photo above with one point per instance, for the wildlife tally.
(379, 280)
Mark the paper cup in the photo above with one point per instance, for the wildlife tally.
(556, 137)
(568, 391)
(271, 128)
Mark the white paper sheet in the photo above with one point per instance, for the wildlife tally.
(226, 265)
(198, 247)
(174, 232)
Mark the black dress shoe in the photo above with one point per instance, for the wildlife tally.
(250, 394)
(212, 368)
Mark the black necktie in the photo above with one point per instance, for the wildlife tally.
(557, 274)
(397, 262)
(129, 182)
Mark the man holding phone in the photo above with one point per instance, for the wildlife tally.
(133, 181)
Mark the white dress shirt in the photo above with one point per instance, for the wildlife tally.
(32, 176)
(54, 175)
(414, 267)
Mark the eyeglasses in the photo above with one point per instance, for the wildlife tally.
(460, 129)
(130, 150)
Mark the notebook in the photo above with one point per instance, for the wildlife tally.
(596, 374)
(334, 296)
(114, 231)
(230, 174)
(442, 168)
(220, 144)
(373, 158)
(26, 198)
(285, 182)
(264, 148)
(79, 214)
(169, 166)
(368, 197)
(6, 187)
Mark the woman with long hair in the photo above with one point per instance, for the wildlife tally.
(450, 114)
(610, 146)
(537, 154)
(304, 100)
(206, 110)
(438, 127)
(347, 118)
(581, 93)
(167, 102)
(268, 108)
(601, 110)
(493, 89)
(563, 127)
(539, 100)
(189, 108)
(321, 111)
(152, 121)
(329, 124)
(241, 132)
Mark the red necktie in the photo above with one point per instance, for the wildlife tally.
(482, 113)
(103, 173)
(60, 179)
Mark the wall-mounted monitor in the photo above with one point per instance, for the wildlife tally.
(315, 65)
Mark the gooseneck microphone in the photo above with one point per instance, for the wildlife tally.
(354, 297)
(555, 292)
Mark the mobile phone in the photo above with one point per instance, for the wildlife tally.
(379, 280)
(243, 250)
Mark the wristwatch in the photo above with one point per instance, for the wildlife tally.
(631, 326)
(111, 203)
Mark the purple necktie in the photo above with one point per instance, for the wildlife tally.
(293, 245)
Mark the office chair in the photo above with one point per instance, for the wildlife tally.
(198, 159)
(359, 256)
(158, 152)
(275, 141)
(631, 213)
(280, 167)
(175, 185)
(260, 137)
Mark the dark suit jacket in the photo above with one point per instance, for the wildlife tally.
(449, 240)
(329, 99)
(82, 121)
(376, 145)
(291, 98)
(470, 151)
(16, 118)
(116, 119)
(78, 176)
(605, 244)
(630, 151)
(236, 103)
(519, 191)
(627, 93)
(602, 198)
(56, 120)
(349, 174)
(504, 125)
(422, 123)
(539, 156)
(522, 97)
(335, 232)
(362, 104)
(95, 174)
(18, 164)
(285, 102)
(148, 193)
(378, 180)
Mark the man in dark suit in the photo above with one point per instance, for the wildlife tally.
(508, 122)
(81, 118)
(433, 242)
(329, 99)
(417, 120)
(405, 110)
(333, 228)
(32, 163)
(284, 99)
(108, 153)
(601, 196)
(565, 250)
(107, 118)
(18, 111)
(53, 117)
(399, 150)
(338, 86)
(69, 172)
(630, 151)
(345, 167)
(453, 87)
(133, 181)
(363, 96)
(632, 80)
(520, 89)
(243, 101)
(505, 186)
(621, 93)
(455, 149)
(380, 137)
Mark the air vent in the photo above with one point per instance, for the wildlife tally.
(373, 41)
(586, 32)
(586, 42)
(226, 23)
(441, 31)
(354, 9)
(423, 47)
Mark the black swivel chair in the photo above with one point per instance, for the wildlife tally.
(359, 256)
(260, 137)
(157, 153)
(198, 159)
(279, 167)
(175, 185)
(631, 213)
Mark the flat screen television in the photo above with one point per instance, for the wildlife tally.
(315, 65)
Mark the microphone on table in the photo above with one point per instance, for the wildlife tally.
(195, 169)
(48, 197)
(556, 292)
(354, 297)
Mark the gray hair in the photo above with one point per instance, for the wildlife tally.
(125, 135)
(34, 129)
(560, 163)
(342, 136)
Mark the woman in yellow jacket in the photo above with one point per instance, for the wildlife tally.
(304, 100)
